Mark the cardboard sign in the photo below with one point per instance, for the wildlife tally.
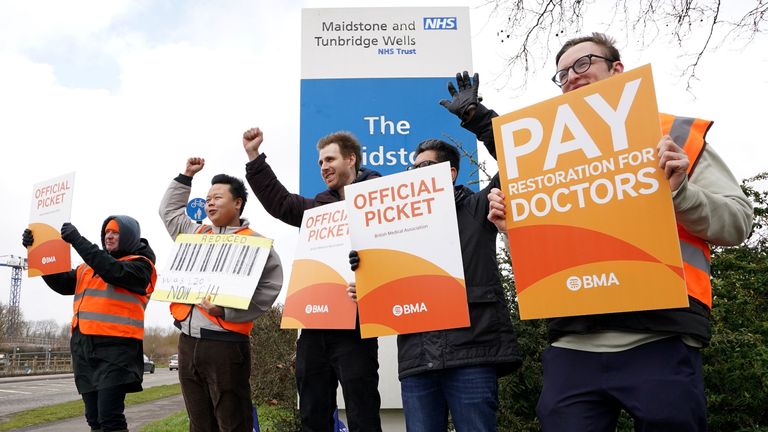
(51, 207)
(411, 276)
(225, 268)
(317, 292)
(590, 217)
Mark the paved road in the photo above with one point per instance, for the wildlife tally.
(137, 416)
(23, 393)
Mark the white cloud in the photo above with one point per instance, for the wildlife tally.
(28, 24)
(173, 101)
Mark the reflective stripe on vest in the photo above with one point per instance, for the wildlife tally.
(181, 311)
(107, 310)
(690, 133)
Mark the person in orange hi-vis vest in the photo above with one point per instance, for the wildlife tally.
(645, 363)
(111, 290)
(214, 347)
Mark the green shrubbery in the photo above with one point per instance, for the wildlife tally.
(273, 360)
(736, 362)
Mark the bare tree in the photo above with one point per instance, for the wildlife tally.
(62, 337)
(44, 329)
(3, 320)
(160, 342)
(532, 28)
(64, 331)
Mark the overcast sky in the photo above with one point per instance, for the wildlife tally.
(122, 92)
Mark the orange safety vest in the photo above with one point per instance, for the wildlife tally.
(181, 311)
(103, 309)
(689, 133)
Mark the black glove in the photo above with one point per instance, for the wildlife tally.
(27, 238)
(69, 233)
(354, 260)
(465, 98)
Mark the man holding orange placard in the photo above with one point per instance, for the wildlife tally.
(455, 370)
(646, 362)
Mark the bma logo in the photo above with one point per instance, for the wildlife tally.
(575, 283)
(49, 260)
(310, 309)
(408, 309)
(440, 23)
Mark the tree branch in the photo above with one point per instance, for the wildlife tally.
(532, 26)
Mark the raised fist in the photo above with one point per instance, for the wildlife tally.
(252, 139)
(194, 165)
(464, 101)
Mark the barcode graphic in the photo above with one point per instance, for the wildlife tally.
(238, 260)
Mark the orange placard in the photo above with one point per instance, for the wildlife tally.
(589, 214)
(317, 292)
(51, 206)
(49, 254)
(407, 294)
(411, 277)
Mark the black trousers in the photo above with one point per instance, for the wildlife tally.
(659, 384)
(104, 409)
(214, 378)
(323, 359)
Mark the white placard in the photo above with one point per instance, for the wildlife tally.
(225, 268)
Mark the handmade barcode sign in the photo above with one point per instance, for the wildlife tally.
(225, 268)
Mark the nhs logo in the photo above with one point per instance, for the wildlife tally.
(440, 23)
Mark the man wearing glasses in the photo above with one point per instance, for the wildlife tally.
(645, 363)
(456, 370)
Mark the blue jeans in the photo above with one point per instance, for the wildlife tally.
(471, 394)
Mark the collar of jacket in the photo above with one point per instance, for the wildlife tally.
(461, 192)
(329, 196)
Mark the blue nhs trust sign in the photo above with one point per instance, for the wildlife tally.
(389, 116)
(440, 23)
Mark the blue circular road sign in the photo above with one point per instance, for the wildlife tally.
(196, 209)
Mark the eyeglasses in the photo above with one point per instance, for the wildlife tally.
(423, 164)
(580, 66)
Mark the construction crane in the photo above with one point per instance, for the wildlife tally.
(17, 264)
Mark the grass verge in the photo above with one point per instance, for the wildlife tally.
(271, 419)
(177, 421)
(71, 409)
